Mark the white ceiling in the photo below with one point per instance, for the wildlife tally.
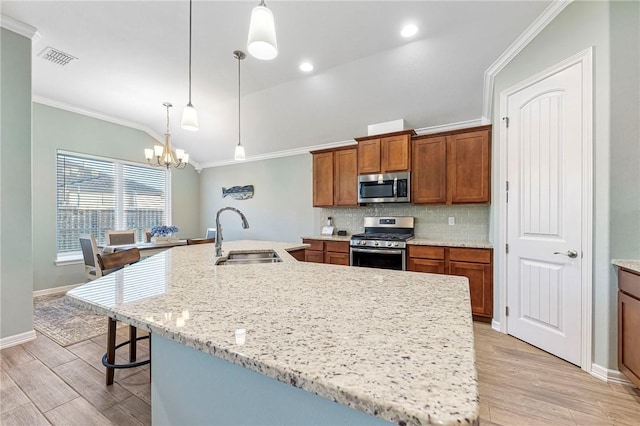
(133, 55)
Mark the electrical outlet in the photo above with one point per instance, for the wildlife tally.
(452, 220)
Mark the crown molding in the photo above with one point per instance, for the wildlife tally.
(279, 154)
(97, 115)
(512, 51)
(19, 27)
(307, 149)
(450, 126)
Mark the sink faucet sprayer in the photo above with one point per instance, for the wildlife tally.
(245, 225)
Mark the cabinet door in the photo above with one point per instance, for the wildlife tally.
(346, 177)
(469, 167)
(429, 175)
(395, 152)
(628, 337)
(480, 285)
(313, 256)
(298, 254)
(323, 179)
(429, 266)
(369, 156)
(336, 258)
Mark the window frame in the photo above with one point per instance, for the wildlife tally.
(75, 257)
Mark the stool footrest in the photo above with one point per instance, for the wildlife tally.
(127, 365)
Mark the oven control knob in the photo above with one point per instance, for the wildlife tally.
(375, 243)
(395, 244)
(389, 244)
(363, 243)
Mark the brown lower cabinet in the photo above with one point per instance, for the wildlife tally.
(475, 264)
(321, 251)
(298, 254)
(629, 324)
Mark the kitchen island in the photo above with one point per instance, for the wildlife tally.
(385, 345)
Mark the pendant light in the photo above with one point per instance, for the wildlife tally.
(239, 155)
(189, 115)
(262, 42)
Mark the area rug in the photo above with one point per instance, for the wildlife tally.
(66, 324)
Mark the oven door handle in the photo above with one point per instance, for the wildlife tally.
(384, 251)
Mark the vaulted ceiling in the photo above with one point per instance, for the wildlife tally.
(133, 56)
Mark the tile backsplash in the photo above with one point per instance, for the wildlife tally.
(431, 222)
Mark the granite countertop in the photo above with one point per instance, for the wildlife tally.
(394, 344)
(445, 243)
(415, 241)
(329, 237)
(632, 265)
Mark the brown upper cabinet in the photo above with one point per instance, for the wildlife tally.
(335, 177)
(390, 152)
(452, 167)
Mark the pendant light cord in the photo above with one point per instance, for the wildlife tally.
(239, 99)
(168, 106)
(190, 7)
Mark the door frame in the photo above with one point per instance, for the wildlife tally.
(585, 58)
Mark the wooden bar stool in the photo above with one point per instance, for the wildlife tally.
(109, 263)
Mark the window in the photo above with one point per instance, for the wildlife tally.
(97, 194)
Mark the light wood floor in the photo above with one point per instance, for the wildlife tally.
(44, 383)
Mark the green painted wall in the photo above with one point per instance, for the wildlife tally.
(16, 267)
(281, 208)
(612, 29)
(55, 129)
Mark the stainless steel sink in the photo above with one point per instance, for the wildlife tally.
(270, 254)
(249, 257)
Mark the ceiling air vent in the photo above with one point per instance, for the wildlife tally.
(56, 56)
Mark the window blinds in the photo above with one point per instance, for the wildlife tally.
(96, 195)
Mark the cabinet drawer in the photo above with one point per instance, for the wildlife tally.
(426, 252)
(337, 246)
(315, 244)
(470, 255)
(629, 283)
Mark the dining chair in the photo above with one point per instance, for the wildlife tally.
(191, 241)
(115, 238)
(210, 233)
(90, 253)
(109, 263)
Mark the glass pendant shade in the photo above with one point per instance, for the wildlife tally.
(189, 118)
(262, 42)
(239, 153)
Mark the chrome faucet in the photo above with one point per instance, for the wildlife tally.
(245, 225)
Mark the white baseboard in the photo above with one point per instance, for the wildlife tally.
(55, 290)
(17, 339)
(495, 325)
(610, 376)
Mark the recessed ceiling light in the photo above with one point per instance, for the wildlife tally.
(306, 67)
(409, 30)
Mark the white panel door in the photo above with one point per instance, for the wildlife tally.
(544, 166)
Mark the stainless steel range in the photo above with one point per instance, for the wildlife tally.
(383, 243)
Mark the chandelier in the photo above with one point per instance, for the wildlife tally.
(164, 155)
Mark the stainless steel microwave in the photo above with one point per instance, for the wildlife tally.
(384, 188)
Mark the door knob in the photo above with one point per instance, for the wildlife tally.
(571, 253)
